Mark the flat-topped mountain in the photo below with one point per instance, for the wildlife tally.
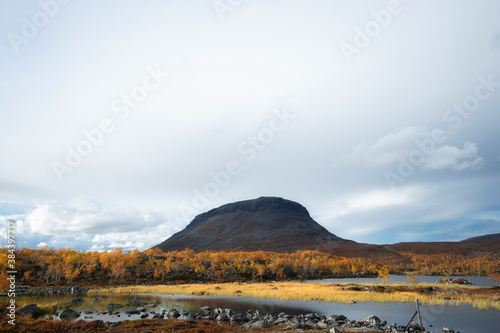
(267, 224)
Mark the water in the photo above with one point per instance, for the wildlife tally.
(464, 318)
(479, 281)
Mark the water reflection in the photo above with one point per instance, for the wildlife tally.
(464, 318)
(479, 281)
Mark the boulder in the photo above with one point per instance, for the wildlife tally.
(77, 300)
(173, 313)
(206, 310)
(256, 324)
(75, 289)
(32, 310)
(132, 312)
(69, 314)
(135, 303)
(370, 321)
(113, 324)
(114, 306)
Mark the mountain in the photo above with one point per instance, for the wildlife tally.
(267, 224)
(484, 238)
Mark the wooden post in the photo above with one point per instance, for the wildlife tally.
(419, 317)
(417, 313)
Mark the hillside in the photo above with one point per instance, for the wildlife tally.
(485, 238)
(279, 225)
(267, 224)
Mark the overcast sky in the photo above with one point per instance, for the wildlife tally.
(122, 120)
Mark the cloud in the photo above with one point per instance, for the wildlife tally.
(375, 199)
(84, 218)
(453, 158)
(388, 148)
(79, 224)
(391, 147)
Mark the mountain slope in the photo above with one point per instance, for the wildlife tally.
(484, 238)
(266, 223)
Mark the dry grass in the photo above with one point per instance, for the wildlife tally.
(325, 292)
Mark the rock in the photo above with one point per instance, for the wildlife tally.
(77, 300)
(280, 321)
(69, 314)
(371, 321)
(31, 309)
(75, 289)
(135, 303)
(334, 330)
(206, 310)
(256, 324)
(112, 324)
(133, 312)
(238, 318)
(222, 317)
(173, 313)
(96, 300)
(114, 306)
(310, 323)
(448, 330)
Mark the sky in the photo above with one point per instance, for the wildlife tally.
(122, 120)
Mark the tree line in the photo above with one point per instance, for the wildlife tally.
(64, 266)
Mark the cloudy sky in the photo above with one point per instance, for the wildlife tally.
(120, 121)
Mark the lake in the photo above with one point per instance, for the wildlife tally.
(479, 281)
(464, 318)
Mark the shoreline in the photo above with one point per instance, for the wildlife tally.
(431, 294)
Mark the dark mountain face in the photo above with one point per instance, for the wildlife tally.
(266, 223)
(484, 238)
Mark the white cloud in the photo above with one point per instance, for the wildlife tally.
(454, 158)
(388, 148)
(374, 200)
(82, 225)
(82, 217)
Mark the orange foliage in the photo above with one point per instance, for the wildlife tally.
(69, 266)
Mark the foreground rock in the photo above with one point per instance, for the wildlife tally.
(252, 319)
(69, 314)
(31, 310)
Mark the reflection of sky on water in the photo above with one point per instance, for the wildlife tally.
(464, 318)
(480, 281)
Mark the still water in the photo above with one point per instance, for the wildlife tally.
(464, 318)
(479, 281)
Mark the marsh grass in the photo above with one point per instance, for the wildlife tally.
(325, 292)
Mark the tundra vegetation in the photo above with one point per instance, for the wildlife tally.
(50, 267)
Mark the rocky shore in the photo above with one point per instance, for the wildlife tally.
(75, 290)
(252, 319)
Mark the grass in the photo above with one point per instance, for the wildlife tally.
(482, 298)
